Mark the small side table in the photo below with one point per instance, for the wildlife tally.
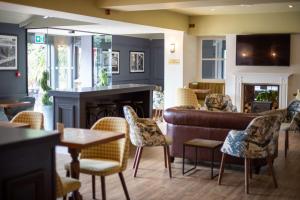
(204, 144)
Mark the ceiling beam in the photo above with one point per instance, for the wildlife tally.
(139, 5)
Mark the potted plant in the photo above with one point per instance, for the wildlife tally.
(47, 105)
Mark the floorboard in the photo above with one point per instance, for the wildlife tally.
(153, 183)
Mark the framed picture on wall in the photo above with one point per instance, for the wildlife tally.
(115, 62)
(137, 59)
(8, 52)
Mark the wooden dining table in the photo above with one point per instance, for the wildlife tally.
(76, 139)
(14, 104)
(13, 124)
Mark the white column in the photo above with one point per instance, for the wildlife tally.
(173, 76)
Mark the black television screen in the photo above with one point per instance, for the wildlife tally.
(263, 50)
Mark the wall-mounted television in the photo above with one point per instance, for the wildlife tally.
(263, 50)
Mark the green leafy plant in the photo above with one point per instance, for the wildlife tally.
(267, 96)
(46, 99)
(103, 77)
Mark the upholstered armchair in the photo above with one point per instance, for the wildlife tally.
(219, 102)
(258, 140)
(34, 119)
(290, 118)
(106, 159)
(186, 97)
(145, 133)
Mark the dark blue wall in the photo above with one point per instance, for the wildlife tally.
(10, 85)
(154, 60)
(157, 62)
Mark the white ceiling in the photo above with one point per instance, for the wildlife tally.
(31, 17)
(13, 17)
(241, 9)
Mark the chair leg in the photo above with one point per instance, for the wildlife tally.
(221, 171)
(124, 185)
(169, 160)
(271, 170)
(250, 169)
(286, 144)
(94, 186)
(102, 178)
(138, 161)
(68, 173)
(246, 166)
(135, 157)
(165, 156)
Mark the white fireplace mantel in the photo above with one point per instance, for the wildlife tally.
(280, 79)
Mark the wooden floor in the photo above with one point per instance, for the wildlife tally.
(153, 183)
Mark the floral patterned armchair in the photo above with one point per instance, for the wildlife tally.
(219, 102)
(290, 118)
(145, 132)
(258, 140)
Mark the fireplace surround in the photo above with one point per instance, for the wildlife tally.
(280, 79)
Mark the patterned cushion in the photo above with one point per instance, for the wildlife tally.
(259, 138)
(34, 119)
(235, 143)
(143, 132)
(158, 100)
(219, 102)
(293, 109)
(99, 167)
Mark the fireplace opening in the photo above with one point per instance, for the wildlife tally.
(260, 97)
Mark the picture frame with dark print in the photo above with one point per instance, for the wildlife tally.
(8, 52)
(115, 62)
(137, 61)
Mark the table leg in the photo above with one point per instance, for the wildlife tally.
(212, 163)
(74, 170)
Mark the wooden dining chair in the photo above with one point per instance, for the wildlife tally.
(106, 159)
(65, 185)
(34, 119)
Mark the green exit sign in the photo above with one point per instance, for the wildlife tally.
(39, 38)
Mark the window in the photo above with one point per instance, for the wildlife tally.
(213, 58)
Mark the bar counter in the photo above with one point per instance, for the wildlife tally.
(73, 107)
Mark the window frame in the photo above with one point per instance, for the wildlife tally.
(212, 59)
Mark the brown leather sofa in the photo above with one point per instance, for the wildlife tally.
(186, 124)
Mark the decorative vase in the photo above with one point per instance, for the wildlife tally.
(48, 117)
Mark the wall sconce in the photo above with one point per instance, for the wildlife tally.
(172, 48)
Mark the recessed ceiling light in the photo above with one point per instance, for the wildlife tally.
(212, 9)
(45, 17)
(291, 6)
